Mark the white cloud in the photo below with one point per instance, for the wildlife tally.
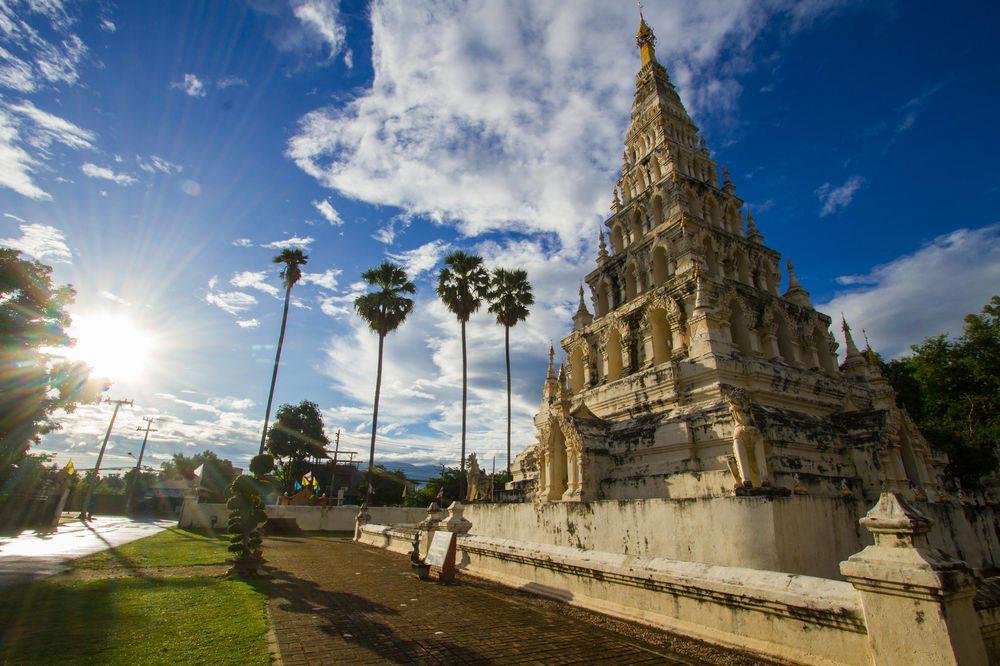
(114, 298)
(293, 242)
(41, 241)
(243, 242)
(912, 109)
(247, 323)
(321, 20)
(924, 293)
(231, 82)
(254, 280)
(421, 259)
(155, 163)
(36, 54)
(507, 116)
(325, 280)
(93, 171)
(15, 73)
(328, 212)
(16, 165)
(191, 85)
(108, 26)
(49, 128)
(233, 302)
(840, 197)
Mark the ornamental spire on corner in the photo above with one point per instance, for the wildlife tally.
(645, 40)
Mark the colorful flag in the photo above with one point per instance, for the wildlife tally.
(406, 488)
(298, 486)
(70, 470)
(198, 470)
(440, 494)
(371, 489)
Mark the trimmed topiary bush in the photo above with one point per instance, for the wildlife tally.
(262, 465)
(246, 514)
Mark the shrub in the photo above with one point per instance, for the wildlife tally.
(246, 514)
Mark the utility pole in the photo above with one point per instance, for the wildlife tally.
(333, 475)
(85, 510)
(138, 464)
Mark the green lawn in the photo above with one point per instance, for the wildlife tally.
(172, 547)
(138, 619)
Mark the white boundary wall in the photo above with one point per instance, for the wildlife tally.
(309, 518)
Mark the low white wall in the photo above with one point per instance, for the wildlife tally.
(776, 534)
(309, 518)
(797, 619)
(800, 534)
(396, 539)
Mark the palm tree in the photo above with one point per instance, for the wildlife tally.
(510, 297)
(290, 274)
(463, 284)
(384, 309)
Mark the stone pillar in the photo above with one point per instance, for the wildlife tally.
(917, 600)
(456, 522)
(362, 518)
(429, 525)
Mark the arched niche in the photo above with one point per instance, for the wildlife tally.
(635, 226)
(739, 329)
(661, 267)
(557, 465)
(659, 331)
(786, 345)
(577, 362)
(823, 353)
(631, 283)
(656, 211)
(614, 350)
(712, 259)
(603, 299)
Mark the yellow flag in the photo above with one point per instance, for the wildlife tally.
(70, 469)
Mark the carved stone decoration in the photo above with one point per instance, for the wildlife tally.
(748, 441)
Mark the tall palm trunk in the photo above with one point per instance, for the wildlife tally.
(274, 375)
(465, 394)
(506, 349)
(371, 450)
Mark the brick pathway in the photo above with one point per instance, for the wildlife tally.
(333, 602)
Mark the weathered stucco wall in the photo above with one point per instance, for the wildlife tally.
(799, 534)
(309, 518)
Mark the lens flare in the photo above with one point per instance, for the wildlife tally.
(113, 345)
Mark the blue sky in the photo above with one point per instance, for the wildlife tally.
(159, 154)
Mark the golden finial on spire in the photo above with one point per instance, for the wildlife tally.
(645, 39)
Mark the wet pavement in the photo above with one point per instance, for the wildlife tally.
(35, 554)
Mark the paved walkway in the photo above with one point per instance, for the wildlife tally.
(335, 602)
(36, 554)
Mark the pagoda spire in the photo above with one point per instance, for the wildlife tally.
(582, 318)
(854, 361)
(602, 248)
(645, 40)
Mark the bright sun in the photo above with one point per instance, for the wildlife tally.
(113, 345)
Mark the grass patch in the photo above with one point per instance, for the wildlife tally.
(173, 547)
(134, 621)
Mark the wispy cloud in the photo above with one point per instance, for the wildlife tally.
(254, 280)
(328, 212)
(247, 323)
(924, 293)
(107, 25)
(190, 85)
(243, 242)
(41, 241)
(233, 302)
(154, 164)
(839, 197)
(231, 82)
(16, 164)
(91, 170)
(421, 259)
(325, 280)
(294, 241)
(48, 128)
(114, 298)
(912, 110)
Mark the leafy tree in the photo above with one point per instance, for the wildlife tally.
(246, 514)
(510, 297)
(951, 388)
(463, 283)
(35, 382)
(451, 479)
(297, 434)
(384, 308)
(262, 465)
(291, 272)
(388, 487)
(216, 473)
